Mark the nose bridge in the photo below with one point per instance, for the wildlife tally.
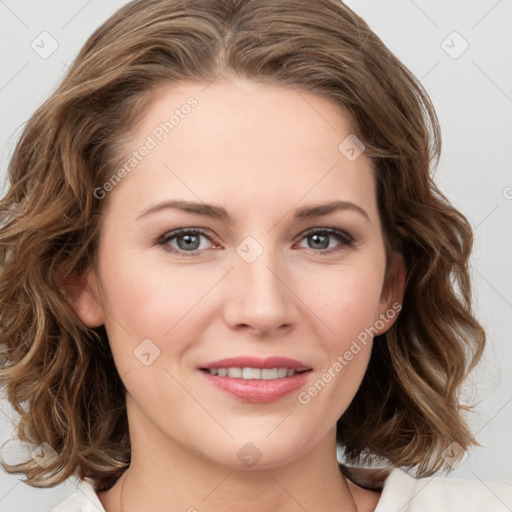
(261, 298)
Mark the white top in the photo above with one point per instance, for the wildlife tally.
(400, 492)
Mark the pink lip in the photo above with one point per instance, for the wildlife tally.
(256, 390)
(257, 362)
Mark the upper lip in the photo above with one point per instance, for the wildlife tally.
(257, 362)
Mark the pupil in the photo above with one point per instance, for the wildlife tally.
(325, 239)
(189, 241)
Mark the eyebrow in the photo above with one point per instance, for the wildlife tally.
(220, 213)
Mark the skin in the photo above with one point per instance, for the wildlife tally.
(260, 151)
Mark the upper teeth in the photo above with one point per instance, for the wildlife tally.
(253, 373)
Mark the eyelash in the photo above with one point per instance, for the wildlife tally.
(347, 241)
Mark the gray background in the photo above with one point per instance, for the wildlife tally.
(472, 92)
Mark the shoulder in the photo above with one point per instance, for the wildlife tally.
(436, 494)
(84, 499)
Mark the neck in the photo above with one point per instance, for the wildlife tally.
(165, 476)
(231, 491)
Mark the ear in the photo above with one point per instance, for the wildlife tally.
(83, 294)
(392, 295)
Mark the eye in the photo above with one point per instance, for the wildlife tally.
(321, 238)
(187, 241)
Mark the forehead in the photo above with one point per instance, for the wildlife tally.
(247, 144)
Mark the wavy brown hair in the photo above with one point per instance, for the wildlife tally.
(60, 376)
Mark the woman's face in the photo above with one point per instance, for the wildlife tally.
(283, 258)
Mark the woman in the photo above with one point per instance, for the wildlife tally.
(223, 256)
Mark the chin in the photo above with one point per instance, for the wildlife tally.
(258, 450)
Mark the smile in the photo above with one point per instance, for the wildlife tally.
(256, 380)
(252, 373)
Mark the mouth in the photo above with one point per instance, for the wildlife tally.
(256, 380)
(248, 373)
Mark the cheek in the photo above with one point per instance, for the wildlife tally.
(346, 300)
(145, 300)
(347, 306)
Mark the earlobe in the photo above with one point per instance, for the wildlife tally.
(392, 291)
(82, 293)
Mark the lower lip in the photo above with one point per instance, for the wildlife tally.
(258, 391)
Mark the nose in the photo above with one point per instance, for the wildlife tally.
(261, 297)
